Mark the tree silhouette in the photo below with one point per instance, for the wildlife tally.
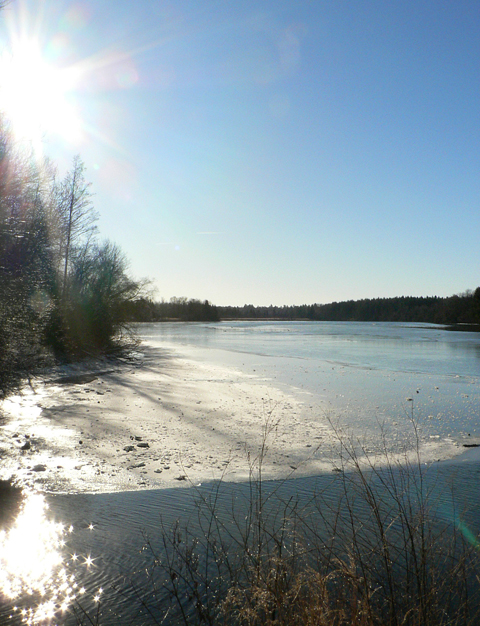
(76, 214)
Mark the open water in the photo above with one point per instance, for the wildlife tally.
(94, 546)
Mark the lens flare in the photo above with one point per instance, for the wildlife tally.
(35, 96)
(48, 91)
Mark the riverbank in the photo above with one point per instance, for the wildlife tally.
(160, 422)
(164, 420)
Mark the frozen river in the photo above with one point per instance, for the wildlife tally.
(86, 552)
(366, 376)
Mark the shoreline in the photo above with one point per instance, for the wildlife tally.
(165, 421)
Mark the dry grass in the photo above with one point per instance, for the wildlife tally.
(368, 549)
(376, 555)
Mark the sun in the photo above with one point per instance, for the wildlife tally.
(36, 97)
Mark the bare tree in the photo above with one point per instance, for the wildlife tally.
(76, 214)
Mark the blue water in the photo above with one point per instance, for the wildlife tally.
(124, 535)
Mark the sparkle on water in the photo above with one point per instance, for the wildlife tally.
(36, 571)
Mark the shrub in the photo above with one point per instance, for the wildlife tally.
(375, 554)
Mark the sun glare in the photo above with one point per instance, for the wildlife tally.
(34, 570)
(36, 97)
(29, 550)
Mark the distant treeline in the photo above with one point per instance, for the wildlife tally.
(182, 309)
(457, 309)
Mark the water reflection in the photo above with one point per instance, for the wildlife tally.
(36, 571)
(56, 574)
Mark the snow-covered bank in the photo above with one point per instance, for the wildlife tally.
(167, 420)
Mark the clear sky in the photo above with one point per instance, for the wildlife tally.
(269, 151)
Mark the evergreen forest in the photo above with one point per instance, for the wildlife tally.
(462, 309)
(459, 311)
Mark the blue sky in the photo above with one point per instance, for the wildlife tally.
(274, 152)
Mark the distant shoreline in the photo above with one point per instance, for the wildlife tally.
(471, 328)
(452, 311)
(464, 328)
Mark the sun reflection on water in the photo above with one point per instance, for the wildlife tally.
(35, 572)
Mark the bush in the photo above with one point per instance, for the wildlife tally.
(90, 318)
(27, 274)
